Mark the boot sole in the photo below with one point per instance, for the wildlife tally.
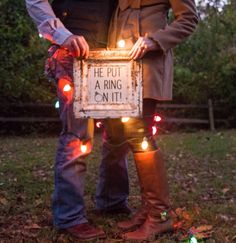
(152, 237)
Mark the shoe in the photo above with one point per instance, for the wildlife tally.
(86, 231)
(124, 209)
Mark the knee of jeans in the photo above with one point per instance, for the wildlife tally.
(80, 147)
(72, 147)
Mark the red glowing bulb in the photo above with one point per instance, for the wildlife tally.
(83, 148)
(67, 88)
(98, 124)
(154, 130)
(157, 118)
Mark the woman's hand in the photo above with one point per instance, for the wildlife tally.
(143, 45)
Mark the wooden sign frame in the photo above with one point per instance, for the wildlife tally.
(108, 84)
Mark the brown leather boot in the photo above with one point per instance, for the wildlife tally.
(135, 221)
(152, 176)
(86, 231)
(149, 230)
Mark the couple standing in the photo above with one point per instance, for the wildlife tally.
(74, 27)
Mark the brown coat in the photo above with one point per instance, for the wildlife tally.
(134, 18)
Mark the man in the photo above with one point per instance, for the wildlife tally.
(143, 25)
(74, 27)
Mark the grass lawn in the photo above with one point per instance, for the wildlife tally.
(201, 172)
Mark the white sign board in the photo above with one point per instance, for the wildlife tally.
(107, 84)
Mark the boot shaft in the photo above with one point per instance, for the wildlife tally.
(153, 181)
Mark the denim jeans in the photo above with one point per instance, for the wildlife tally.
(70, 164)
(118, 139)
(113, 185)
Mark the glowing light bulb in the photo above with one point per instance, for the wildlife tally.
(40, 35)
(157, 118)
(83, 148)
(154, 130)
(144, 144)
(67, 88)
(193, 240)
(98, 124)
(125, 119)
(57, 105)
(121, 43)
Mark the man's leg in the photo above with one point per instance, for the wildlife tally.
(70, 167)
(113, 184)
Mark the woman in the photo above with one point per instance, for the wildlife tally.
(143, 25)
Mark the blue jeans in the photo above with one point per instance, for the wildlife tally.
(70, 168)
(118, 139)
(113, 185)
(70, 164)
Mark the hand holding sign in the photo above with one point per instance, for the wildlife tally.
(143, 45)
(77, 46)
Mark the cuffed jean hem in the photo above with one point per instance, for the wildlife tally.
(71, 224)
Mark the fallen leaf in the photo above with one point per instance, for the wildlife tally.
(33, 226)
(197, 209)
(203, 228)
(179, 211)
(224, 217)
(38, 202)
(3, 201)
(226, 189)
(203, 235)
(202, 232)
(186, 215)
(178, 225)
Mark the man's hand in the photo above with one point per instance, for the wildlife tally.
(142, 46)
(77, 46)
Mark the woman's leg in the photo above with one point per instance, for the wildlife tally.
(152, 176)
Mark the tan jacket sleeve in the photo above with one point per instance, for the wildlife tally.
(185, 22)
